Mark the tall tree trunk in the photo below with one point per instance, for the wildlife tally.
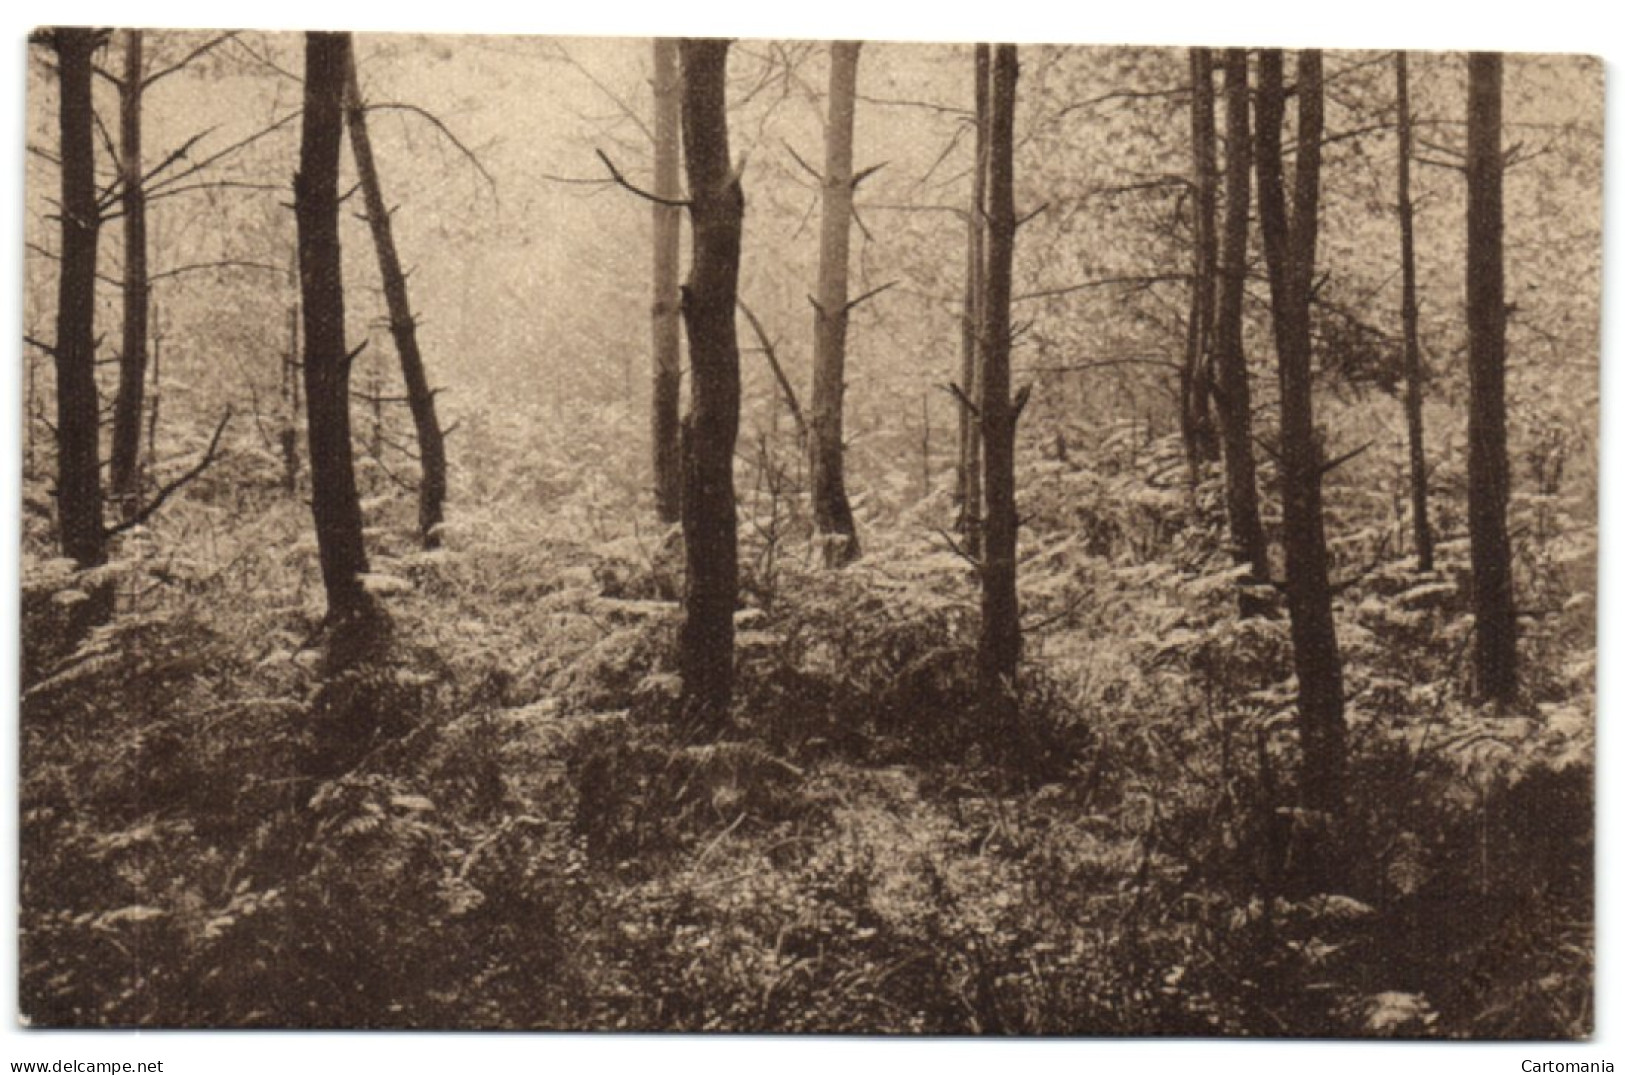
(1234, 392)
(289, 434)
(1289, 249)
(999, 646)
(1408, 315)
(1495, 649)
(969, 485)
(132, 367)
(334, 502)
(78, 481)
(1196, 418)
(402, 325)
(710, 523)
(665, 329)
(832, 512)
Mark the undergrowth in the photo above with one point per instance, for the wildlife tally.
(522, 838)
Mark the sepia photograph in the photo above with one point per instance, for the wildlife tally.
(798, 536)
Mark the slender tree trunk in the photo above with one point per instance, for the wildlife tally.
(1488, 483)
(665, 328)
(78, 481)
(1289, 248)
(832, 511)
(402, 325)
(710, 524)
(999, 647)
(334, 502)
(969, 485)
(1196, 419)
(1234, 392)
(1408, 314)
(290, 387)
(127, 408)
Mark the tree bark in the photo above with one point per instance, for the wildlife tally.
(832, 511)
(1488, 482)
(1234, 392)
(1196, 418)
(402, 325)
(78, 482)
(969, 485)
(999, 646)
(710, 523)
(1289, 249)
(1408, 315)
(128, 406)
(334, 502)
(665, 328)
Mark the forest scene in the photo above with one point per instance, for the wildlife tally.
(807, 536)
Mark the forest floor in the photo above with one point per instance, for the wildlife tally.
(491, 821)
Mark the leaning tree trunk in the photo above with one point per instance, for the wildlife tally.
(1289, 250)
(402, 325)
(969, 485)
(710, 524)
(832, 511)
(78, 482)
(1234, 392)
(999, 645)
(1495, 650)
(664, 317)
(334, 502)
(1408, 315)
(1196, 418)
(128, 407)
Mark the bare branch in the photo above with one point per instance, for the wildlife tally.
(958, 393)
(203, 266)
(809, 169)
(871, 293)
(866, 173)
(433, 120)
(165, 72)
(1030, 217)
(615, 174)
(1327, 467)
(778, 370)
(143, 514)
(220, 154)
(1137, 282)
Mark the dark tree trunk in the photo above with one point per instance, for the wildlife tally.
(289, 434)
(128, 406)
(999, 647)
(665, 327)
(402, 325)
(1289, 249)
(969, 485)
(1196, 418)
(78, 481)
(832, 511)
(710, 525)
(334, 502)
(1408, 315)
(1495, 649)
(1234, 392)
